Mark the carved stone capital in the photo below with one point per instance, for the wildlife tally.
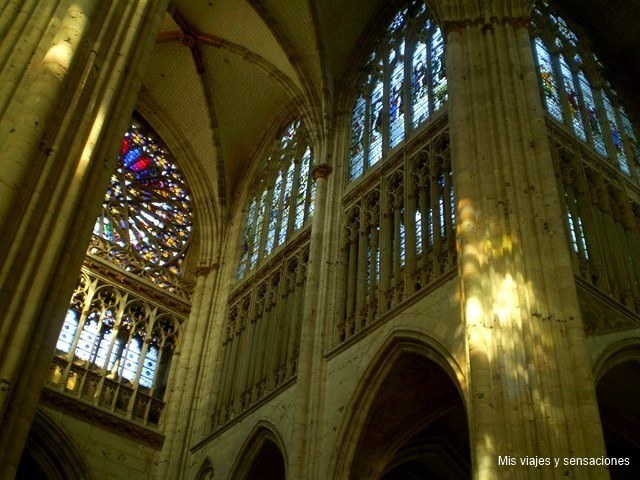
(321, 171)
(204, 270)
(449, 26)
(456, 14)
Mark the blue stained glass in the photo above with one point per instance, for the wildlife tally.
(269, 221)
(592, 116)
(356, 164)
(103, 349)
(272, 223)
(438, 75)
(619, 154)
(149, 366)
(589, 111)
(630, 133)
(396, 106)
(420, 85)
(257, 231)
(573, 99)
(548, 79)
(381, 126)
(403, 241)
(430, 229)
(131, 156)
(68, 332)
(443, 225)
(418, 223)
(286, 205)
(129, 364)
(375, 125)
(398, 21)
(576, 232)
(565, 31)
(302, 189)
(147, 193)
(87, 337)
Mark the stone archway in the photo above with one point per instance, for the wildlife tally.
(268, 464)
(50, 454)
(262, 457)
(409, 420)
(618, 393)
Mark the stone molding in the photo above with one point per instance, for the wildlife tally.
(204, 270)
(449, 26)
(321, 171)
(100, 418)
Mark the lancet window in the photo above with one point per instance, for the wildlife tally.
(402, 85)
(399, 225)
(261, 338)
(597, 153)
(115, 349)
(575, 93)
(603, 221)
(281, 200)
(122, 326)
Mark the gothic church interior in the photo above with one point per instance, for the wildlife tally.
(313, 240)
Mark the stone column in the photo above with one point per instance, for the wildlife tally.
(310, 332)
(70, 73)
(182, 400)
(531, 387)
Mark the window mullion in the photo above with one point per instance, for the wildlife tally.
(386, 99)
(295, 187)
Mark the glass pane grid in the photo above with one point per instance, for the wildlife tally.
(281, 196)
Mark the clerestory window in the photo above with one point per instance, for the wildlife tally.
(575, 94)
(281, 198)
(402, 85)
(398, 235)
(589, 128)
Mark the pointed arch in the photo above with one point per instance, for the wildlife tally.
(53, 451)
(614, 354)
(263, 442)
(209, 211)
(617, 391)
(403, 351)
(206, 470)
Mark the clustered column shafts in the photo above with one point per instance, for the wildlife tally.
(182, 400)
(261, 334)
(398, 235)
(310, 334)
(531, 388)
(66, 97)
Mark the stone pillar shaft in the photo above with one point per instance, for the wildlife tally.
(70, 71)
(531, 388)
(310, 329)
(182, 400)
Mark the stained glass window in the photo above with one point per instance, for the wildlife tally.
(147, 206)
(404, 84)
(282, 196)
(574, 94)
(111, 339)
